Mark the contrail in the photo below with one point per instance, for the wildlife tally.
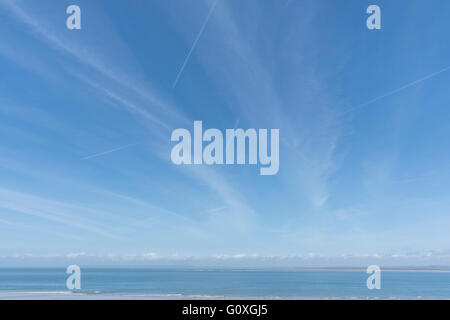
(195, 43)
(109, 151)
(398, 90)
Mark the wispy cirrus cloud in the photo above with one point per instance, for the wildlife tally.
(161, 112)
(54, 211)
(255, 96)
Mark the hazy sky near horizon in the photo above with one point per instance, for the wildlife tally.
(86, 118)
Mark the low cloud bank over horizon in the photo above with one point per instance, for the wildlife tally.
(411, 259)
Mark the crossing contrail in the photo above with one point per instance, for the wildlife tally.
(398, 90)
(195, 43)
(109, 151)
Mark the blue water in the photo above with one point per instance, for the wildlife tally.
(231, 283)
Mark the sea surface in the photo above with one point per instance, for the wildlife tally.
(98, 283)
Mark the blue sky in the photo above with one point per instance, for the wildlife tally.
(86, 118)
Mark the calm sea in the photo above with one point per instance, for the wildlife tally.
(179, 283)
